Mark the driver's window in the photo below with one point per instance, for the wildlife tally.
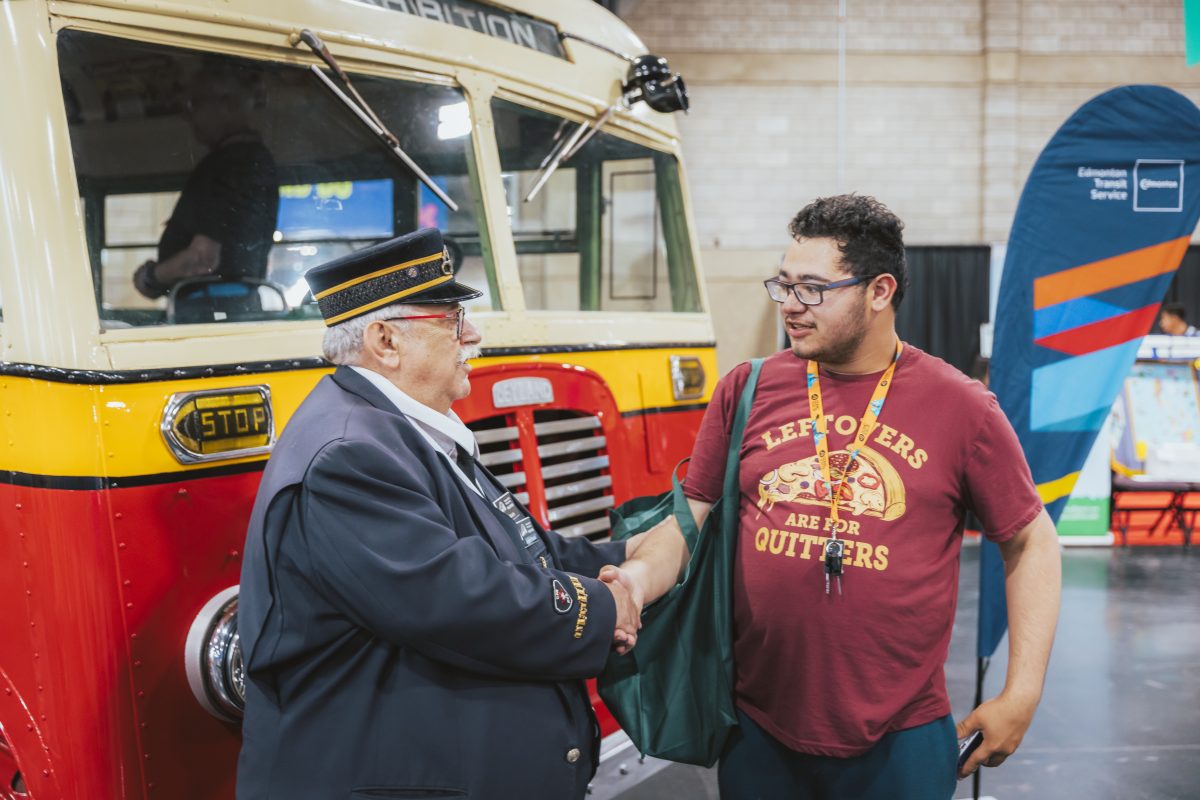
(211, 184)
(607, 230)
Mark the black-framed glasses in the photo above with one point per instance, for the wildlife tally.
(457, 315)
(811, 294)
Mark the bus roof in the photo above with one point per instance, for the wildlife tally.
(569, 46)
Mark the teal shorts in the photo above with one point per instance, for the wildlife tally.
(914, 764)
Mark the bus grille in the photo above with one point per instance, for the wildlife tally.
(571, 461)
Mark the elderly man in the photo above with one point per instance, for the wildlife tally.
(408, 630)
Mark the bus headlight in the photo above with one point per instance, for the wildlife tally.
(213, 658)
(687, 378)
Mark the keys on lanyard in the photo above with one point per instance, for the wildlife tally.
(835, 549)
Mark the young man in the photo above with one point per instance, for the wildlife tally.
(860, 459)
(408, 630)
(1172, 318)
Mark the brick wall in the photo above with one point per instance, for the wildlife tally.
(948, 104)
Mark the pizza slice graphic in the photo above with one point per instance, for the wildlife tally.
(872, 487)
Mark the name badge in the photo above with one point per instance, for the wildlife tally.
(506, 504)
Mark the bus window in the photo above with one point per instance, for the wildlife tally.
(195, 166)
(607, 231)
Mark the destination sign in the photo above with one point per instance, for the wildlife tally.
(499, 23)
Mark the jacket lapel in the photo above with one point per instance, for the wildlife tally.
(486, 522)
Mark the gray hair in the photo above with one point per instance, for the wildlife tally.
(343, 342)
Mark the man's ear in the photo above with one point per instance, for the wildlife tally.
(381, 344)
(882, 288)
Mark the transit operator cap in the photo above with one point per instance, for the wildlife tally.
(414, 268)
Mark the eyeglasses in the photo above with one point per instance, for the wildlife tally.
(457, 315)
(810, 294)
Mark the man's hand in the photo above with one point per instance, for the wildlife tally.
(1003, 720)
(1033, 583)
(144, 282)
(628, 594)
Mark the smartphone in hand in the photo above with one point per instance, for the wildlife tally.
(968, 746)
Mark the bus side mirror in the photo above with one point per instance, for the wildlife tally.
(650, 79)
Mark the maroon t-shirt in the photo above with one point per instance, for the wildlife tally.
(831, 674)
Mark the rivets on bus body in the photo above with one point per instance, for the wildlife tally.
(18, 504)
(129, 605)
(120, 545)
(118, 515)
(182, 492)
(128, 582)
(234, 554)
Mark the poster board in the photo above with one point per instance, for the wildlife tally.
(1159, 422)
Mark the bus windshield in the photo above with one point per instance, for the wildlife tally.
(210, 184)
(607, 232)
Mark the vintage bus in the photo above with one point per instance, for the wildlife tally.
(538, 135)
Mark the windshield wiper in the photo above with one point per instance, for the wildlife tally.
(362, 109)
(649, 80)
(566, 148)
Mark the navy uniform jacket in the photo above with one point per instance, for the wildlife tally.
(397, 642)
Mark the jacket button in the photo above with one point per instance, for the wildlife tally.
(572, 755)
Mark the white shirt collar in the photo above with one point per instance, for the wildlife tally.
(446, 430)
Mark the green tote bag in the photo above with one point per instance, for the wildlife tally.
(673, 693)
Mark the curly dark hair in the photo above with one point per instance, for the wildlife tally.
(869, 236)
(1176, 310)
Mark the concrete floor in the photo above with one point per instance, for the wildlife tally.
(1120, 716)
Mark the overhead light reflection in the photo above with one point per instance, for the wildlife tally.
(454, 120)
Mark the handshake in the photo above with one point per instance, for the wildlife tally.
(628, 588)
(655, 560)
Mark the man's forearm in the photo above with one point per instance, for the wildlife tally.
(201, 257)
(1033, 583)
(658, 559)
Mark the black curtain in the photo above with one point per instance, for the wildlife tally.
(1185, 288)
(947, 301)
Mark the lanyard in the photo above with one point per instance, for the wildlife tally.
(866, 427)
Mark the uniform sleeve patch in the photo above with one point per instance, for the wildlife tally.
(562, 598)
(581, 593)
